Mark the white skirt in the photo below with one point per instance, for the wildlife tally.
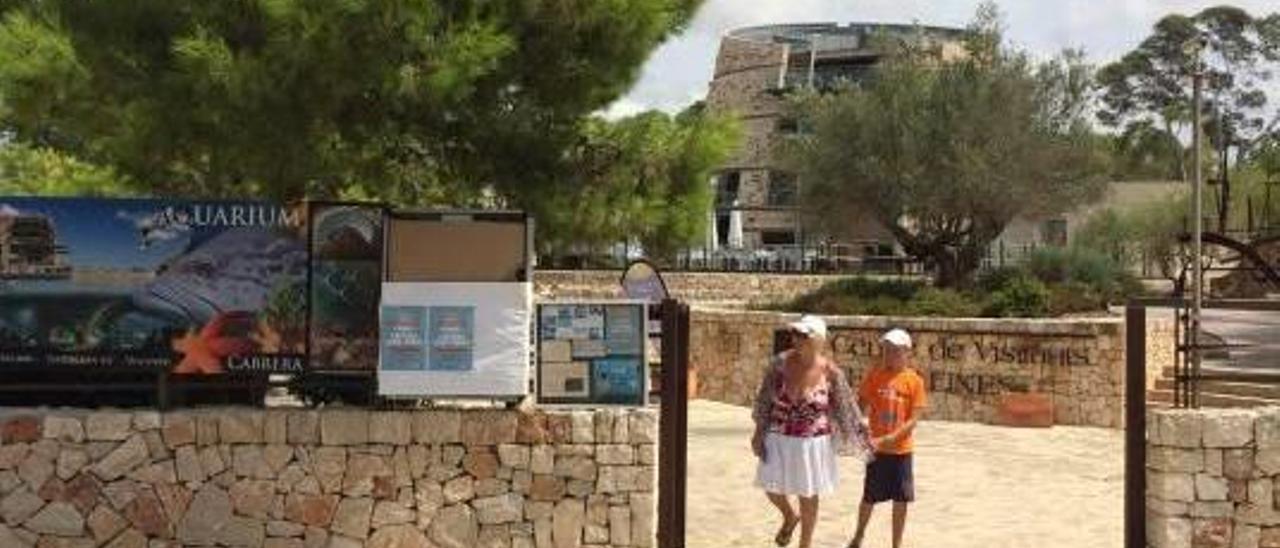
(798, 466)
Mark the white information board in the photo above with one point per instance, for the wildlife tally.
(455, 339)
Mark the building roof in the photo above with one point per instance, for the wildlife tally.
(835, 36)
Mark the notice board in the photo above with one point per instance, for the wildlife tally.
(456, 308)
(592, 353)
(455, 340)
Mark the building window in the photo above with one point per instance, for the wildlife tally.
(727, 188)
(1054, 232)
(782, 189)
(778, 237)
(788, 126)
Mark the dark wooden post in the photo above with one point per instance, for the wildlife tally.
(1135, 434)
(673, 425)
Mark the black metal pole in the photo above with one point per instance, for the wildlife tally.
(1135, 434)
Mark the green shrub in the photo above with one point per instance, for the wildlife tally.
(1084, 268)
(1075, 298)
(1022, 297)
(942, 303)
(997, 278)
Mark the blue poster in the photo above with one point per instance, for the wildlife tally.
(617, 380)
(452, 336)
(404, 339)
(623, 330)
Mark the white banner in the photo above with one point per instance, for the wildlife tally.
(455, 339)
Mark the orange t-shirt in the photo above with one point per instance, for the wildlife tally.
(892, 398)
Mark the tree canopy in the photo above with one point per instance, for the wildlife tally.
(1149, 90)
(642, 179)
(25, 170)
(412, 101)
(944, 154)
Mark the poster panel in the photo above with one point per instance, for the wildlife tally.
(192, 287)
(473, 340)
(346, 283)
(592, 353)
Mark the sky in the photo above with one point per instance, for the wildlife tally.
(677, 73)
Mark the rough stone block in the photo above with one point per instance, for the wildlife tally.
(124, 458)
(437, 427)
(1237, 464)
(1228, 428)
(1266, 428)
(508, 508)
(1211, 533)
(352, 517)
(108, 426)
(542, 459)
(303, 427)
(488, 427)
(514, 456)
(1211, 488)
(1179, 428)
(567, 522)
(643, 512)
(390, 428)
(63, 429)
(275, 427)
(179, 429)
(1175, 459)
(644, 426)
(344, 427)
(455, 527)
(1246, 536)
(1169, 532)
(616, 454)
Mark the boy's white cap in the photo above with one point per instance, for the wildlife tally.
(897, 337)
(812, 326)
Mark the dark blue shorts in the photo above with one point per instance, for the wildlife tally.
(889, 477)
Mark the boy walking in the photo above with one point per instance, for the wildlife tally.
(892, 395)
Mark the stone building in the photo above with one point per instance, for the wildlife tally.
(755, 69)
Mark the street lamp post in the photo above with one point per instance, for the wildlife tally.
(1197, 207)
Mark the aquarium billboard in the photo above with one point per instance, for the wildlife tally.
(192, 287)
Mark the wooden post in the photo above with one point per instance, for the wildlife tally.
(673, 425)
(1135, 433)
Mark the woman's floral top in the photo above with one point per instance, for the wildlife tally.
(830, 409)
(803, 417)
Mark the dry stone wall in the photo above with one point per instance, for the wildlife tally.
(1212, 478)
(739, 288)
(969, 365)
(327, 479)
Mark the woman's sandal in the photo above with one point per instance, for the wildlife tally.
(783, 537)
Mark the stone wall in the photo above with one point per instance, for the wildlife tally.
(972, 366)
(1212, 478)
(720, 288)
(327, 479)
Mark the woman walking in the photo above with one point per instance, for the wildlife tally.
(805, 414)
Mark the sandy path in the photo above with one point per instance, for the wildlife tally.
(979, 486)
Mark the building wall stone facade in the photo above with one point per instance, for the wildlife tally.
(754, 69)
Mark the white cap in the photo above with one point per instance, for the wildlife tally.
(811, 326)
(897, 337)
